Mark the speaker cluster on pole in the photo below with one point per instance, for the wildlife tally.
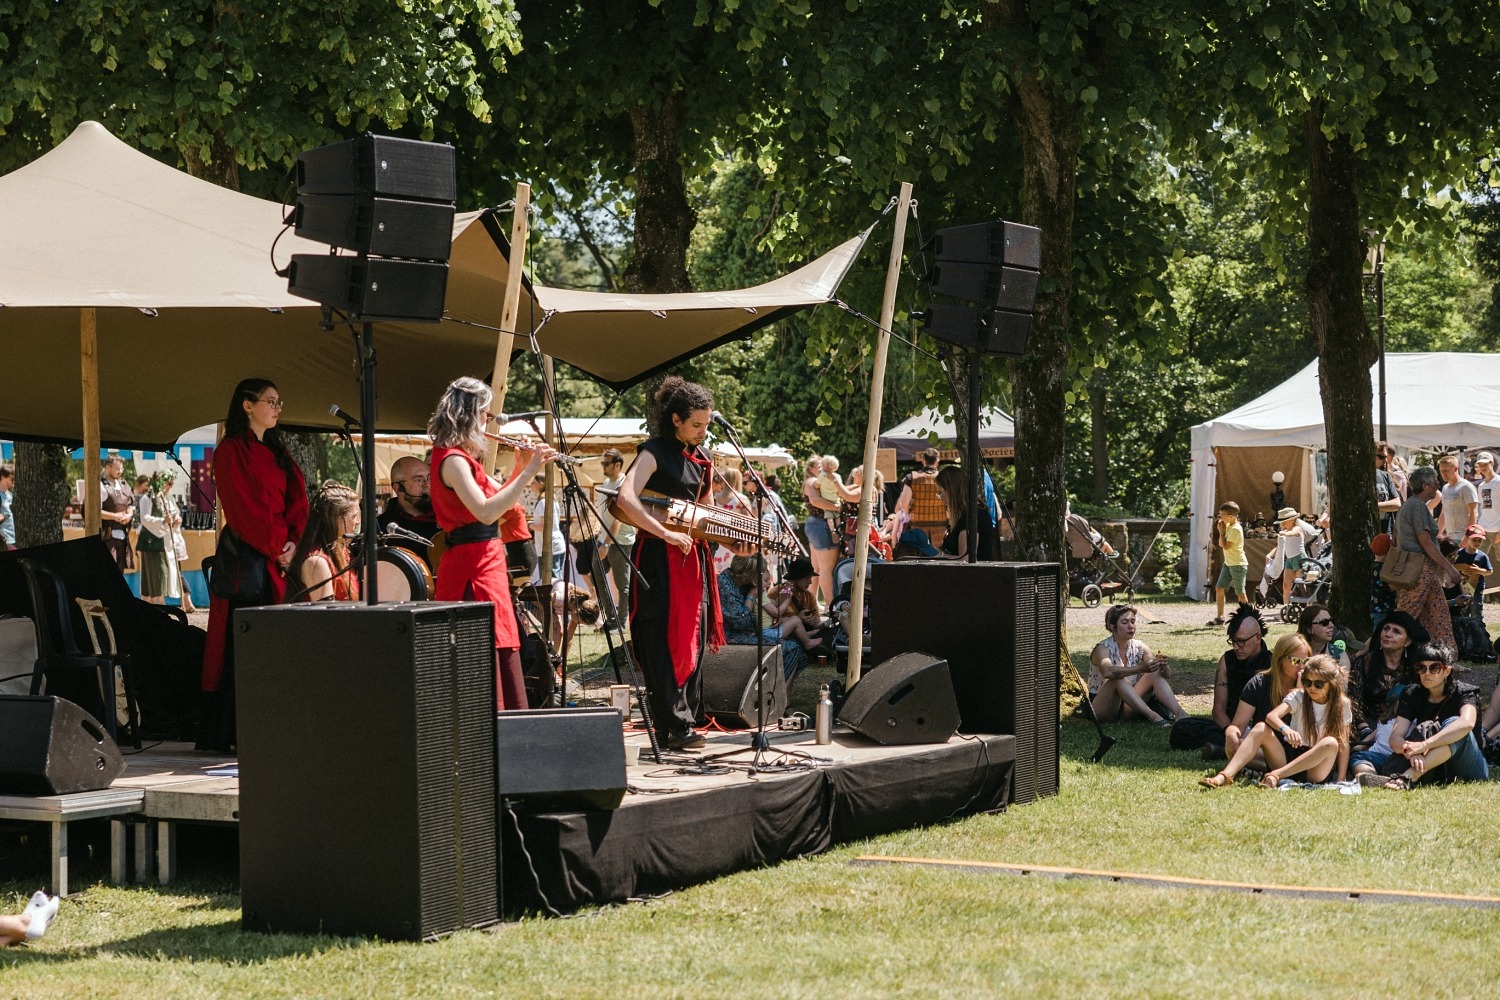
(390, 201)
(996, 266)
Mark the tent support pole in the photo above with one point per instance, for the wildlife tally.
(549, 492)
(88, 351)
(872, 442)
(510, 309)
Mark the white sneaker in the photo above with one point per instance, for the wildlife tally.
(42, 910)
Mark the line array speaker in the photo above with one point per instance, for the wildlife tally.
(999, 626)
(368, 786)
(50, 746)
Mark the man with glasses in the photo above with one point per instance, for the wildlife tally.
(410, 505)
(618, 551)
(1247, 656)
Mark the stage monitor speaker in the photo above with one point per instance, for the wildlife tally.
(49, 746)
(562, 758)
(372, 288)
(380, 164)
(731, 687)
(999, 626)
(907, 699)
(367, 768)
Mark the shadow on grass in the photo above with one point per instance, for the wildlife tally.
(223, 941)
(1137, 746)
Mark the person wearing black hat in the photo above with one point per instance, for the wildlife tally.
(797, 589)
(1386, 661)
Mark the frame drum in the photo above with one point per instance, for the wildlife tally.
(402, 576)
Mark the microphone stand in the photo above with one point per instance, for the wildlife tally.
(759, 742)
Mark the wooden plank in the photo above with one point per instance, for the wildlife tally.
(510, 309)
(88, 352)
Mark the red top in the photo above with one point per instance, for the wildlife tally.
(476, 571)
(513, 526)
(267, 507)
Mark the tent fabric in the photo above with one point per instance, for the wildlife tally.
(997, 434)
(1433, 401)
(188, 302)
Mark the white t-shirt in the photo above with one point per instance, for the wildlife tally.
(1456, 500)
(1489, 505)
(1293, 701)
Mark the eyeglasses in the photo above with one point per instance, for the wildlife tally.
(418, 480)
(274, 404)
(1430, 668)
(1323, 621)
(1314, 683)
(1237, 643)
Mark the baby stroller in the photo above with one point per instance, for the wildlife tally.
(1094, 570)
(1309, 586)
(839, 609)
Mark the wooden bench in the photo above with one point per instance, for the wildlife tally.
(60, 810)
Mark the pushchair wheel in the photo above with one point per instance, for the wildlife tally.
(1290, 613)
(1091, 595)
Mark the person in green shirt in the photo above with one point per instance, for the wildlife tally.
(1231, 539)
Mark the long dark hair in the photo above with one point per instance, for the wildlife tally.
(678, 396)
(329, 504)
(237, 421)
(955, 486)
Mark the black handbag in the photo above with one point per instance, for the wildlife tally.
(240, 572)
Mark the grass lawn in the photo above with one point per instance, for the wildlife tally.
(826, 927)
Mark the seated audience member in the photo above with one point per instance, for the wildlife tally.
(1490, 728)
(1123, 673)
(31, 923)
(1316, 626)
(1373, 761)
(1435, 720)
(1269, 688)
(735, 583)
(1247, 656)
(1306, 733)
(1386, 661)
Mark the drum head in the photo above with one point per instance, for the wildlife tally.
(402, 576)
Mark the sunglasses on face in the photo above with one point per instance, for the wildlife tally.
(1298, 661)
(1430, 668)
(1314, 683)
(1323, 621)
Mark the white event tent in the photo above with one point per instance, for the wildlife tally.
(1433, 401)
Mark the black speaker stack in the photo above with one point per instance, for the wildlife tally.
(999, 627)
(732, 686)
(368, 788)
(49, 746)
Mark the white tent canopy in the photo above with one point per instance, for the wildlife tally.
(997, 434)
(1432, 401)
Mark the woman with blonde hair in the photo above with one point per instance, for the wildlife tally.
(1306, 733)
(468, 504)
(1266, 689)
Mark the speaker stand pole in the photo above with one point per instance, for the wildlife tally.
(971, 460)
(370, 528)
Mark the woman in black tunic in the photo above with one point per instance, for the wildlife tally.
(667, 620)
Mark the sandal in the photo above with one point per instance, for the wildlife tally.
(1215, 622)
(1267, 781)
(1399, 783)
(1216, 780)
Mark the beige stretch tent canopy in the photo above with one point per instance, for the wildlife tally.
(179, 271)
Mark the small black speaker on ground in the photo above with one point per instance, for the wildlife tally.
(907, 699)
(49, 746)
(999, 626)
(367, 768)
(731, 688)
(562, 758)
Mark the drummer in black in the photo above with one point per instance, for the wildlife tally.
(676, 613)
(410, 505)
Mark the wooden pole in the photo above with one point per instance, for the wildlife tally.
(88, 351)
(549, 495)
(872, 442)
(509, 311)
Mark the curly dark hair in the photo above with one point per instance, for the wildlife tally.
(680, 397)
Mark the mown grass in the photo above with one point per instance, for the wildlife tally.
(824, 926)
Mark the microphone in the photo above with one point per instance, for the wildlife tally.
(349, 419)
(718, 418)
(406, 534)
(506, 418)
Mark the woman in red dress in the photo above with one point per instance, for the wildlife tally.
(264, 500)
(468, 503)
(321, 569)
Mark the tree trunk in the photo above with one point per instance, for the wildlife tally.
(42, 491)
(1099, 445)
(663, 218)
(309, 449)
(1345, 352)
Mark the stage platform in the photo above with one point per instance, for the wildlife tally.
(657, 841)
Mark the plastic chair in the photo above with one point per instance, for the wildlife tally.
(61, 661)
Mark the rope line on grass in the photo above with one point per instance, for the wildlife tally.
(1181, 882)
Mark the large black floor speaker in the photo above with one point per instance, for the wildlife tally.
(49, 746)
(367, 768)
(732, 685)
(906, 699)
(999, 627)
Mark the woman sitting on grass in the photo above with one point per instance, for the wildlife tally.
(1123, 673)
(1385, 662)
(1315, 624)
(1308, 732)
(29, 923)
(1267, 689)
(1434, 727)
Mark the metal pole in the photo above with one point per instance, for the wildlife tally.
(370, 514)
(872, 442)
(971, 460)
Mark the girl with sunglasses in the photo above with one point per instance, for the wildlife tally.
(1435, 720)
(1307, 732)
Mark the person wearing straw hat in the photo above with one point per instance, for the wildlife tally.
(1294, 536)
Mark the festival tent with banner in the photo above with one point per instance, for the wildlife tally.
(1433, 402)
(172, 277)
(997, 435)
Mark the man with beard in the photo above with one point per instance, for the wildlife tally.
(410, 505)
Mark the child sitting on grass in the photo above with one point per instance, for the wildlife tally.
(780, 618)
(1307, 733)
